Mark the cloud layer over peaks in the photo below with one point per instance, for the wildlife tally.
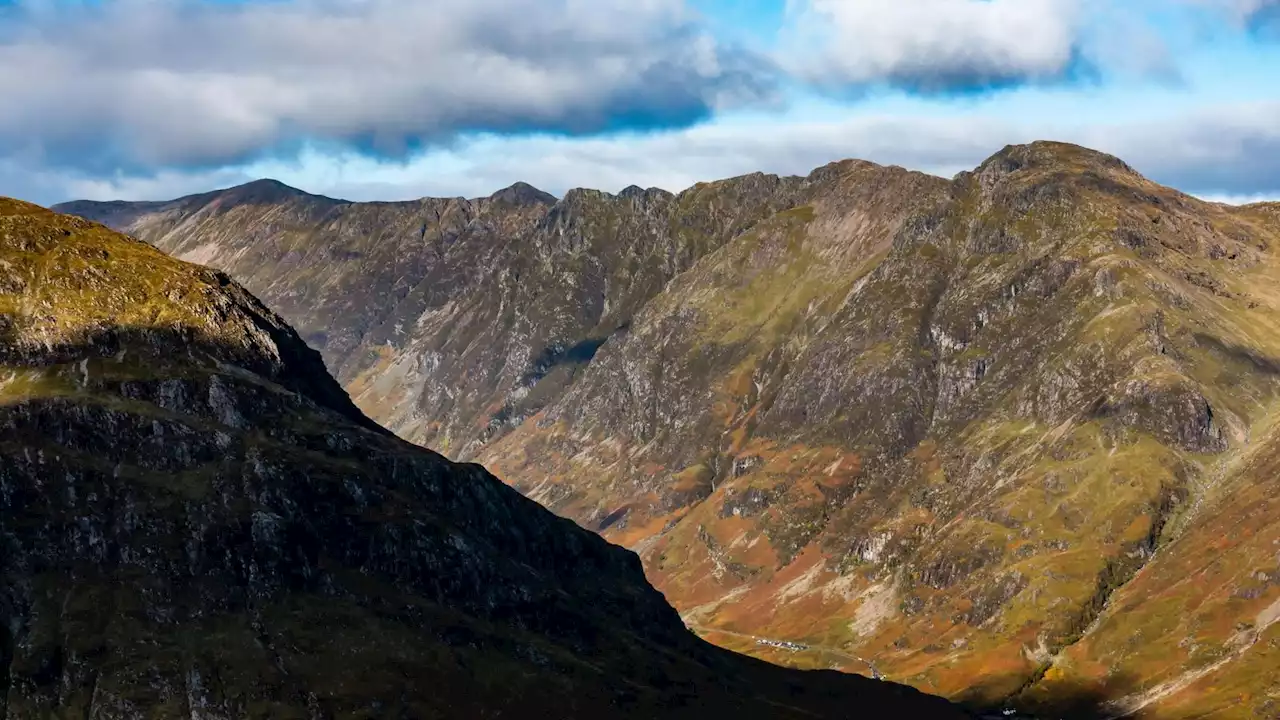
(137, 84)
(154, 98)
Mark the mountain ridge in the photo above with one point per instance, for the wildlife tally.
(970, 429)
(519, 192)
(199, 523)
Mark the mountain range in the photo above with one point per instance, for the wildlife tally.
(1007, 437)
(198, 523)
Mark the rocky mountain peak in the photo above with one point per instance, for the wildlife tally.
(1045, 158)
(523, 193)
(260, 192)
(577, 196)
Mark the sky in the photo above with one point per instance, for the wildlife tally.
(400, 99)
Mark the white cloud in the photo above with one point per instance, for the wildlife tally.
(934, 45)
(1241, 199)
(1232, 152)
(152, 83)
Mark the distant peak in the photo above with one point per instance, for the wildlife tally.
(267, 184)
(523, 193)
(266, 190)
(1044, 154)
(644, 195)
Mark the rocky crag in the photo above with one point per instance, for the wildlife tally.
(509, 296)
(196, 522)
(1008, 437)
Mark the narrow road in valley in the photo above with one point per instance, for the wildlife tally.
(790, 645)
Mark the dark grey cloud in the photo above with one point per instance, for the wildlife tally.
(1231, 151)
(137, 85)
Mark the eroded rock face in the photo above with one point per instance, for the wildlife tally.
(958, 444)
(450, 320)
(941, 427)
(196, 522)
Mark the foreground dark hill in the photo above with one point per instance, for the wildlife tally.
(196, 522)
(1008, 437)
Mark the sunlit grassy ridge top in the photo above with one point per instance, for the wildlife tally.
(74, 292)
(62, 277)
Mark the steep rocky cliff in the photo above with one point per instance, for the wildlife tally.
(452, 320)
(196, 522)
(1007, 437)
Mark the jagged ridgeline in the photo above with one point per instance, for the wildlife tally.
(1007, 437)
(196, 522)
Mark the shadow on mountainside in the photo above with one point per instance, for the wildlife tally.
(297, 367)
(1058, 698)
(200, 525)
(1238, 353)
